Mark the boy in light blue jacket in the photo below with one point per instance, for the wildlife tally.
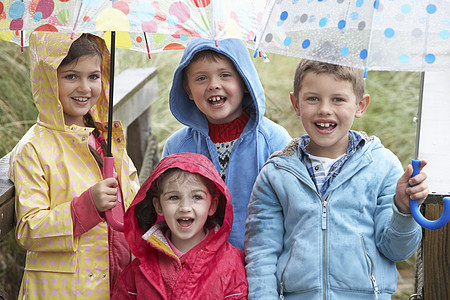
(329, 214)
(216, 93)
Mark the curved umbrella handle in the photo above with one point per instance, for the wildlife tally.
(108, 169)
(414, 207)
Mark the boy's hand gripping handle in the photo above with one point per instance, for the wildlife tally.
(108, 169)
(414, 207)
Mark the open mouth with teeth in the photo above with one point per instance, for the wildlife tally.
(217, 100)
(80, 99)
(326, 126)
(185, 222)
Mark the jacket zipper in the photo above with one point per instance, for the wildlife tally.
(370, 269)
(284, 270)
(324, 260)
(324, 228)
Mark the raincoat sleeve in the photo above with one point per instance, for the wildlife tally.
(84, 213)
(39, 224)
(397, 235)
(264, 233)
(238, 287)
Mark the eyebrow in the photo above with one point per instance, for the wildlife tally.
(194, 191)
(74, 71)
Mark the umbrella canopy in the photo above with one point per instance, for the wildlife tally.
(391, 35)
(168, 24)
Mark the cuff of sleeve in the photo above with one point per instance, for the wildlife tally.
(84, 213)
(402, 222)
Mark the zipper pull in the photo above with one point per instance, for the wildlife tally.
(375, 287)
(324, 214)
(282, 290)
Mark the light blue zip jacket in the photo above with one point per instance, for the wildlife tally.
(342, 246)
(260, 138)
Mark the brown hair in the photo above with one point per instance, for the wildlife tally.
(210, 55)
(145, 212)
(353, 75)
(86, 44)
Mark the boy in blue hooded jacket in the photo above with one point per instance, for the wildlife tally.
(217, 95)
(329, 214)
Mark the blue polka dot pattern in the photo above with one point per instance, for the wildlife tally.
(394, 35)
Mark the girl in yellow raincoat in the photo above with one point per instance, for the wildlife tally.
(57, 172)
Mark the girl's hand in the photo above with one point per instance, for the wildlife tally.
(104, 194)
(414, 188)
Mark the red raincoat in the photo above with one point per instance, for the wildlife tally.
(213, 269)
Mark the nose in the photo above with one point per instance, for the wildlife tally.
(83, 86)
(214, 83)
(185, 205)
(324, 107)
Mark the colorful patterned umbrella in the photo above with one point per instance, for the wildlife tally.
(167, 24)
(144, 25)
(391, 35)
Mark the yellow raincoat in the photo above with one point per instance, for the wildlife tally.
(51, 166)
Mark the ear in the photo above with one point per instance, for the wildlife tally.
(157, 206)
(187, 89)
(362, 105)
(213, 207)
(295, 103)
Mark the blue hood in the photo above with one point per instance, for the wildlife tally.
(185, 110)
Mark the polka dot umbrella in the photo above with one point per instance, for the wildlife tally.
(168, 24)
(143, 25)
(390, 35)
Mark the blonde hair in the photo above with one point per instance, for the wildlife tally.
(354, 75)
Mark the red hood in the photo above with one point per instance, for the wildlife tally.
(191, 162)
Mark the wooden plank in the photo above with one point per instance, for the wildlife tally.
(134, 92)
(6, 198)
(436, 257)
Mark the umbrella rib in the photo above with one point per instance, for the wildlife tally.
(271, 6)
(369, 46)
(76, 20)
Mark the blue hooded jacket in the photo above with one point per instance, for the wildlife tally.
(260, 138)
(343, 245)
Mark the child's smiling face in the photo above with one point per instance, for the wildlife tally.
(185, 203)
(327, 107)
(216, 87)
(79, 85)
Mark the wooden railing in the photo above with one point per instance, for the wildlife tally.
(134, 93)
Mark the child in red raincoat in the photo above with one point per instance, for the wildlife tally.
(187, 256)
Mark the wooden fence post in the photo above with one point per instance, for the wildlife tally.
(436, 255)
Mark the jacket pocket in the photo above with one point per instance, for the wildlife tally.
(297, 268)
(51, 261)
(370, 268)
(350, 262)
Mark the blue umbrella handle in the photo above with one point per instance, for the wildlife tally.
(108, 169)
(414, 207)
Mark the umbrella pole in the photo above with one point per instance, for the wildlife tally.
(111, 92)
(108, 167)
